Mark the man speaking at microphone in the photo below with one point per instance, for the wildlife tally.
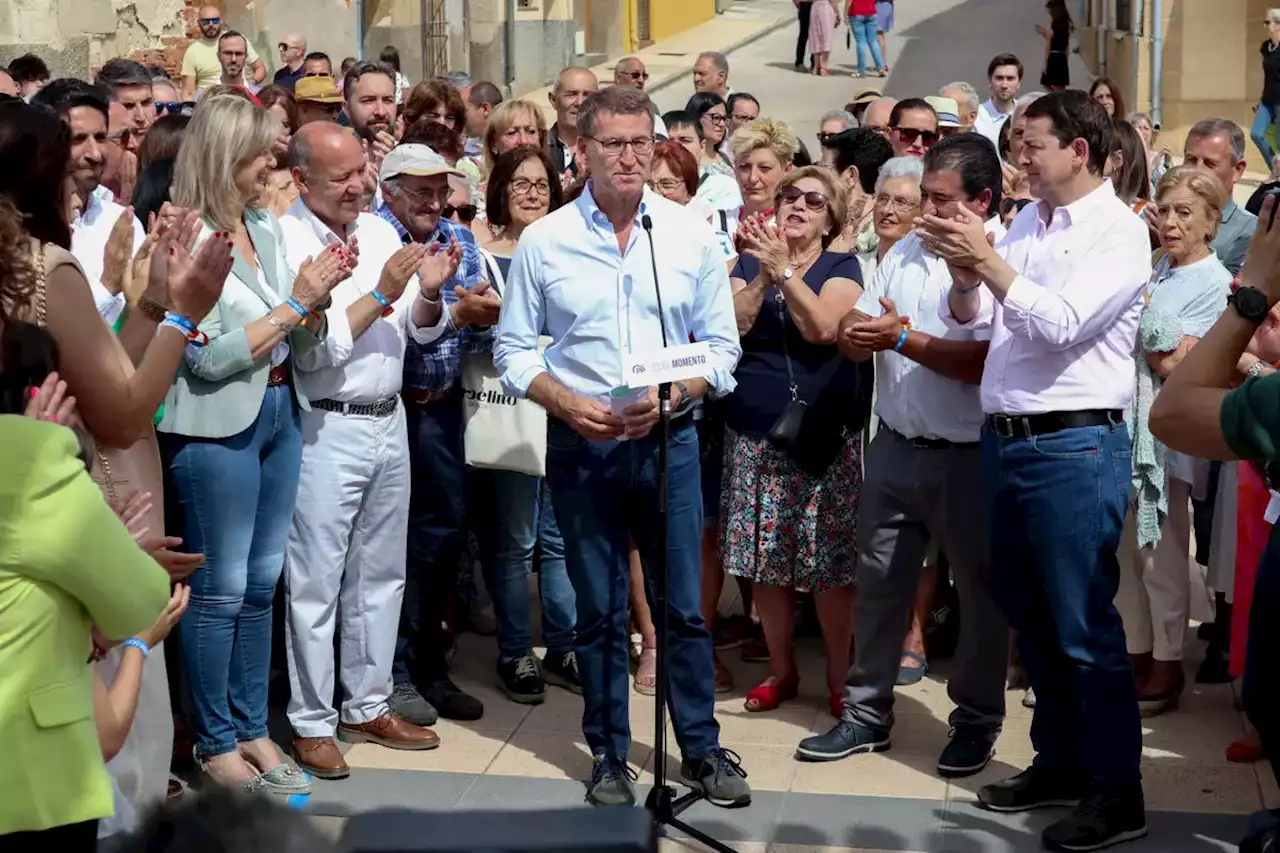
(585, 276)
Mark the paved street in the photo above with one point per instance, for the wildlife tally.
(934, 43)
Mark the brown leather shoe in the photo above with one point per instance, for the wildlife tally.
(320, 757)
(390, 731)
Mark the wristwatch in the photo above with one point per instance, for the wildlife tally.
(686, 402)
(1250, 303)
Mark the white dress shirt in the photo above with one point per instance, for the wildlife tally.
(911, 399)
(989, 122)
(568, 278)
(89, 234)
(369, 368)
(1063, 338)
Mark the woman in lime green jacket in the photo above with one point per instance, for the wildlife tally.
(67, 564)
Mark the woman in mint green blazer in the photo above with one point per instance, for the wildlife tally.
(231, 437)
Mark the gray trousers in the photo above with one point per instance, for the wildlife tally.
(910, 496)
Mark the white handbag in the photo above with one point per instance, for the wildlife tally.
(501, 432)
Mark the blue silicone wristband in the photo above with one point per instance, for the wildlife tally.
(902, 340)
(380, 299)
(297, 306)
(140, 645)
(964, 290)
(179, 321)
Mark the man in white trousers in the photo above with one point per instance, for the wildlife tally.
(346, 551)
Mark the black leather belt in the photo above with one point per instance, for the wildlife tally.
(930, 443)
(380, 409)
(1025, 426)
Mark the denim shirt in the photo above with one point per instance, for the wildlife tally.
(436, 366)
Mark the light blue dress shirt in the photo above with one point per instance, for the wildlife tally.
(569, 281)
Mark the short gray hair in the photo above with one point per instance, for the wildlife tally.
(459, 79)
(718, 59)
(970, 93)
(1218, 126)
(847, 117)
(1137, 116)
(1273, 15)
(462, 182)
(615, 100)
(901, 167)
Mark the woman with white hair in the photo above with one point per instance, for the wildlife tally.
(232, 437)
(896, 205)
(1269, 105)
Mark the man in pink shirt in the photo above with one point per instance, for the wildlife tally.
(1062, 294)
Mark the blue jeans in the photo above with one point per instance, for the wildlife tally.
(1262, 123)
(1058, 503)
(864, 35)
(524, 520)
(437, 538)
(236, 496)
(603, 492)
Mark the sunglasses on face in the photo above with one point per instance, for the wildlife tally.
(465, 212)
(812, 200)
(174, 107)
(209, 22)
(909, 135)
(637, 75)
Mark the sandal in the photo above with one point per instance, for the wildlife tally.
(768, 696)
(908, 675)
(724, 678)
(1244, 752)
(646, 677)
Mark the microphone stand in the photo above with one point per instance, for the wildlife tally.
(662, 802)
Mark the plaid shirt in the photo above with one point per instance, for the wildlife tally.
(435, 366)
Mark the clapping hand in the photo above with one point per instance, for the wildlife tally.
(476, 307)
(318, 276)
(438, 265)
(398, 269)
(961, 241)
(50, 402)
(874, 335)
(117, 253)
(763, 241)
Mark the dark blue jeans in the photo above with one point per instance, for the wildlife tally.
(603, 492)
(1058, 503)
(236, 497)
(1262, 656)
(437, 538)
(522, 521)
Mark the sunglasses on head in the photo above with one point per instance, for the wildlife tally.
(812, 200)
(910, 135)
(466, 212)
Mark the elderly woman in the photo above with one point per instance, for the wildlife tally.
(511, 124)
(792, 456)
(1187, 293)
(762, 155)
(712, 114)
(233, 441)
(718, 190)
(894, 208)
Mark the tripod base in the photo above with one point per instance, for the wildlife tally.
(665, 807)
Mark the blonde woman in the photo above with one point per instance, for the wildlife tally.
(792, 455)
(232, 439)
(512, 124)
(762, 155)
(1187, 293)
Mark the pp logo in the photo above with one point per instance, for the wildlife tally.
(639, 368)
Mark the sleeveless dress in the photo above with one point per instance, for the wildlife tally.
(140, 771)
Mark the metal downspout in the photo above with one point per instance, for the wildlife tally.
(1103, 29)
(508, 47)
(1157, 63)
(359, 4)
(1135, 44)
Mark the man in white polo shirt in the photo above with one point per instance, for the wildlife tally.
(1004, 76)
(347, 547)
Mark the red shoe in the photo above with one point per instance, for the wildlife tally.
(837, 705)
(1244, 752)
(767, 697)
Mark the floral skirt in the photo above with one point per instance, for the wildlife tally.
(782, 527)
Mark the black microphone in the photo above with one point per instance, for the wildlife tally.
(664, 389)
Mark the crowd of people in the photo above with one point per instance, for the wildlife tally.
(340, 354)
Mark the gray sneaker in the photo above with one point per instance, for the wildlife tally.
(720, 778)
(407, 704)
(612, 783)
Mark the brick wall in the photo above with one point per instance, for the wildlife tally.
(169, 55)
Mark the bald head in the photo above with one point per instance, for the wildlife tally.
(571, 89)
(8, 86)
(210, 21)
(630, 71)
(293, 49)
(877, 115)
(328, 167)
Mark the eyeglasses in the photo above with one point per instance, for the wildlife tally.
(465, 212)
(282, 46)
(825, 137)
(910, 135)
(669, 185)
(643, 146)
(174, 107)
(208, 22)
(812, 200)
(315, 74)
(715, 118)
(440, 196)
(524, 186)
(636, 75)
(896, 202)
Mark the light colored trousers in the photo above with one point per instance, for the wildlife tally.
(1154, 596)
(140, 770)
(346, 558)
